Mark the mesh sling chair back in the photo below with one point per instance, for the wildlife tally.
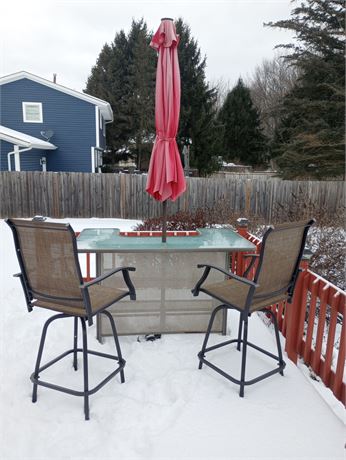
(51, 278)
(274, 281)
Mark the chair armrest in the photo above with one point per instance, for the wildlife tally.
(125, 272)
(107, 275)
(230, 275)
(250, 255)
(207, 268)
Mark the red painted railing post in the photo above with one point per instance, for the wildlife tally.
(296, 315)
(242, 228)
(242, 225)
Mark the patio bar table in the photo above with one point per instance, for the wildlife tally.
(165, 274)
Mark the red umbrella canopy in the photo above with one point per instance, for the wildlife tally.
(166, 176)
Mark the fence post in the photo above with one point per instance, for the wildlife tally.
(296, 314)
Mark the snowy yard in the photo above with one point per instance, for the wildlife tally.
(167, 408)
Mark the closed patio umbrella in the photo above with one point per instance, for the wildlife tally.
(166, 176)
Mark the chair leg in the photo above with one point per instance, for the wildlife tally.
(75, 342)
(206, 338)
(243, 361)
(240, 330)
(278, 343)
(116, 341)
(85, 370)
(40, 351)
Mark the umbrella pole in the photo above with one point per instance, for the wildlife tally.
(164, 221)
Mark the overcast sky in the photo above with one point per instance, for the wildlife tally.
(66, 37)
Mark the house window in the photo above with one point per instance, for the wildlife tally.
(32, 112)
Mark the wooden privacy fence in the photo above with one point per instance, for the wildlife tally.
(58, 195)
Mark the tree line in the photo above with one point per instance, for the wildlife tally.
(289, 114)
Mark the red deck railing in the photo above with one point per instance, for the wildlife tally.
(313, 324)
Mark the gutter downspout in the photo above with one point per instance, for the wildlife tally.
(17, 153)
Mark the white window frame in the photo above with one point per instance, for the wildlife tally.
(39, 104)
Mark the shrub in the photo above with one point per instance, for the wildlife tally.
(182, 220)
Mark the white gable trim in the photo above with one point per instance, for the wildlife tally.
(104, 106)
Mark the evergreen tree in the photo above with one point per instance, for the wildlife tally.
(310, 139)
(242, 139)
(141, 77)
(124, 75)
(198, 100)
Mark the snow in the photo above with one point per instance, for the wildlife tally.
(166, 409)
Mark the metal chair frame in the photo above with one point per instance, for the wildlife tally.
(245, 314)
(29, 294)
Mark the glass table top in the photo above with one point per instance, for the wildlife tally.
(210, 239)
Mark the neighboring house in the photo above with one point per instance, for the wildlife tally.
(47, 127)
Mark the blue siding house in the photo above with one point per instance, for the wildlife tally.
(45, 126)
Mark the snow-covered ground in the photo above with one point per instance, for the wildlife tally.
(167, 409)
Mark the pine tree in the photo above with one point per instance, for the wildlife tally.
(141, 77)
(310, 140)
(242, 139)
(124, 76)
(197, 110)
(107, 81)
